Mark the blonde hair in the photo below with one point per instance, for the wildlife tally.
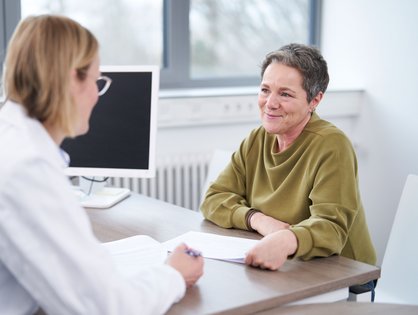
(41, 55)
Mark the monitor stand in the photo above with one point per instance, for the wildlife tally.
(97, 195)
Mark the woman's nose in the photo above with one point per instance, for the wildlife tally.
(272, 102)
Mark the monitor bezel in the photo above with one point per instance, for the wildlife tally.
(121, 172)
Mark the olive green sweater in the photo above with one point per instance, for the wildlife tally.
(312, 185)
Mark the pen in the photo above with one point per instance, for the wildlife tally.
(193, 252)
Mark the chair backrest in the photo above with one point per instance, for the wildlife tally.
(399, 278)
(219, 161)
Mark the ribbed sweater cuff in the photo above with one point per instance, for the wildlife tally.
(305, 242)
(239, 218)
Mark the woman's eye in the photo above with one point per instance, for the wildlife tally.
(284, 94)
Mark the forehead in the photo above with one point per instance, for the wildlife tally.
(278, 73)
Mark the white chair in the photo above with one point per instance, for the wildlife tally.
(219, 161)
(399, 277)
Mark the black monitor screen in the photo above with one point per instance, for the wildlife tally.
(122, 128)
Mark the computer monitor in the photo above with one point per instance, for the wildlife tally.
(122, 136)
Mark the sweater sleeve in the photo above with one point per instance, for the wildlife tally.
(335, 201)
(225, 203)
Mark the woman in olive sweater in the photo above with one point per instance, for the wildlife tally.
(294, 179)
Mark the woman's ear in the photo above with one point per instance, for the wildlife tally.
(315, 101)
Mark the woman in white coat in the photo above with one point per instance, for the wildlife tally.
(49, 257)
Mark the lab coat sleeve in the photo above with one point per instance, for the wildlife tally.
(47, 244)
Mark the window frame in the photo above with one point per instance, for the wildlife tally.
(10, 16)
(175, 73)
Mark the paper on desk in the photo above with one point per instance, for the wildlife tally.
(214, 246)
(134, 253)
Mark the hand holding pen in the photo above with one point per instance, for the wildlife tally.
(187, 261)
(193, 252)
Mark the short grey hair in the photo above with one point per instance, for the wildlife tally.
(308, 61)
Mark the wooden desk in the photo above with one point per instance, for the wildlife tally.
(227, 288)
(344, 308)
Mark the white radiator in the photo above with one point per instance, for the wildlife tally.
(179, 180)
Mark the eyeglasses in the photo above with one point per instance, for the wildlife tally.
(103, 84)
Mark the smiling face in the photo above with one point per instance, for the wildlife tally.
(284, 109)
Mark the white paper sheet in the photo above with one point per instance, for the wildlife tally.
(214, 246)
(134, 253)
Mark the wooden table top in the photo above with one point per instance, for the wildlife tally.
(225, 287)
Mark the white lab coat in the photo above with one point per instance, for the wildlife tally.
(49, 257)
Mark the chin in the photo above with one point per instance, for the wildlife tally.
(82, 130)
(271, 129)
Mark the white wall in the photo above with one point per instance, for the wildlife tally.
(373, 45)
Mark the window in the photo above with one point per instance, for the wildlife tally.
(126, 40)
(197, 43)
(229, 38)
